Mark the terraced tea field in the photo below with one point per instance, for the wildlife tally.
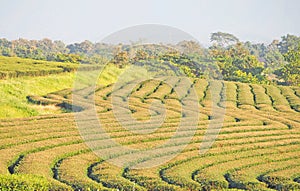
(256, 149)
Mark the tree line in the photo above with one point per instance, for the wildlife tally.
(228, 57)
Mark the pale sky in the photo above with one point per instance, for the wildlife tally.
(75, 21)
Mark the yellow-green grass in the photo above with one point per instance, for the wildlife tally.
(13, 91)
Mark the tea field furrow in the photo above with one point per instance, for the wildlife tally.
(256, 147)
(181, 173)
(246, 177)
(77, 176)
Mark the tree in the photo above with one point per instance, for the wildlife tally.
(46, 45)
(236, 63)
(288, 42)
(269, 55)
(86, 46)
(121, 58)
(140, 55)
(190, 47)
(223, 39)
(290, 72)
(60, 46)
(71, 58)
(273, 59)
(81, 48)
(5, 47)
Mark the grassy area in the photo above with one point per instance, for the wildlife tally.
(14, 89)
(13, 94)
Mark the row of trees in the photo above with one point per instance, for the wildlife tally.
(47, 49)
(227, 57)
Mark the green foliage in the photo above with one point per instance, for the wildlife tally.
(223, 39)
(290, 72)
(190, 48)
(72, 58)
(237, 64)
(121, 59)
(141, 55)
(83, 47)
(245, 77)
(235, 60)
(189, 65)
(270, 55)
(288, 42)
